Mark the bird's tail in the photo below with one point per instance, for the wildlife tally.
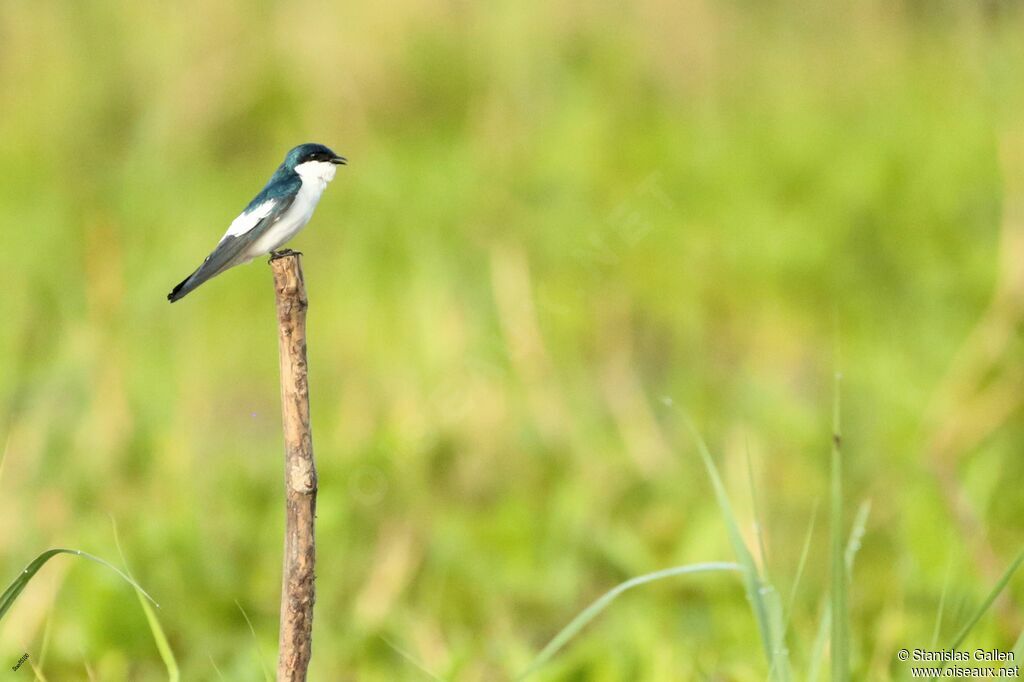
(229, 252)
(210, 268)
(207, 270)
(184, 287)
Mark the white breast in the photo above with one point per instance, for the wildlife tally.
(315, 175)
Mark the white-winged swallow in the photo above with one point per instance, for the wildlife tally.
(278, 212)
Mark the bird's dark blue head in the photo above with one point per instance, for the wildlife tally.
(311, 152)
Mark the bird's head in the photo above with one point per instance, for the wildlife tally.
(313, 160)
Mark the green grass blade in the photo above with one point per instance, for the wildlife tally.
(758, 517)
(840, 633)
(410, 659)
(779, 662)
(983, 609)
(89, 673)
(860, 523)
(162, 645)
(3, 455)
(757, 589)
(220, 675)
(942, 604)
(773, 603)
(853, 543)
(993, 595)
(44, 647)
(37, 671)
(588, 614)
(259, 649)
(801, 565)
(10, 595)
(820, 640)
(1018, 647)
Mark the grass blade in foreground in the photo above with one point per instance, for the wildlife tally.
(589, 613)
(996, 591)
(256, 640)
(1018, 647)
(162, 645)
(801, 564)
(9, 596)
(410, 659)
(840, 576)
(942, 604)
(860, 523)
(761, 595)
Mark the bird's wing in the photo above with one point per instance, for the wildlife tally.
(244, 230)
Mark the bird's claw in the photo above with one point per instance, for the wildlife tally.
(274, 255)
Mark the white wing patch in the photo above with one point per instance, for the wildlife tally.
(250, 219)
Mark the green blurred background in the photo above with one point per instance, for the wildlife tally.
(558, 218)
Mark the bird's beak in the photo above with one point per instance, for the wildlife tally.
(339, 161)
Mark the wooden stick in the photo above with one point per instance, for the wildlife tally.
(297, 587)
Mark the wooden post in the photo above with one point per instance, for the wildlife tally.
(297, 586)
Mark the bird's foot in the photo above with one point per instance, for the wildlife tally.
(274, 255)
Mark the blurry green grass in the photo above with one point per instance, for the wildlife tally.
(553, 217)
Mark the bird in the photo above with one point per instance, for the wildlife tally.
(279, 211)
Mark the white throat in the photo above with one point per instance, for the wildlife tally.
(316, 172)
(314, 176)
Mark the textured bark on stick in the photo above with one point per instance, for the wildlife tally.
(297, 587)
